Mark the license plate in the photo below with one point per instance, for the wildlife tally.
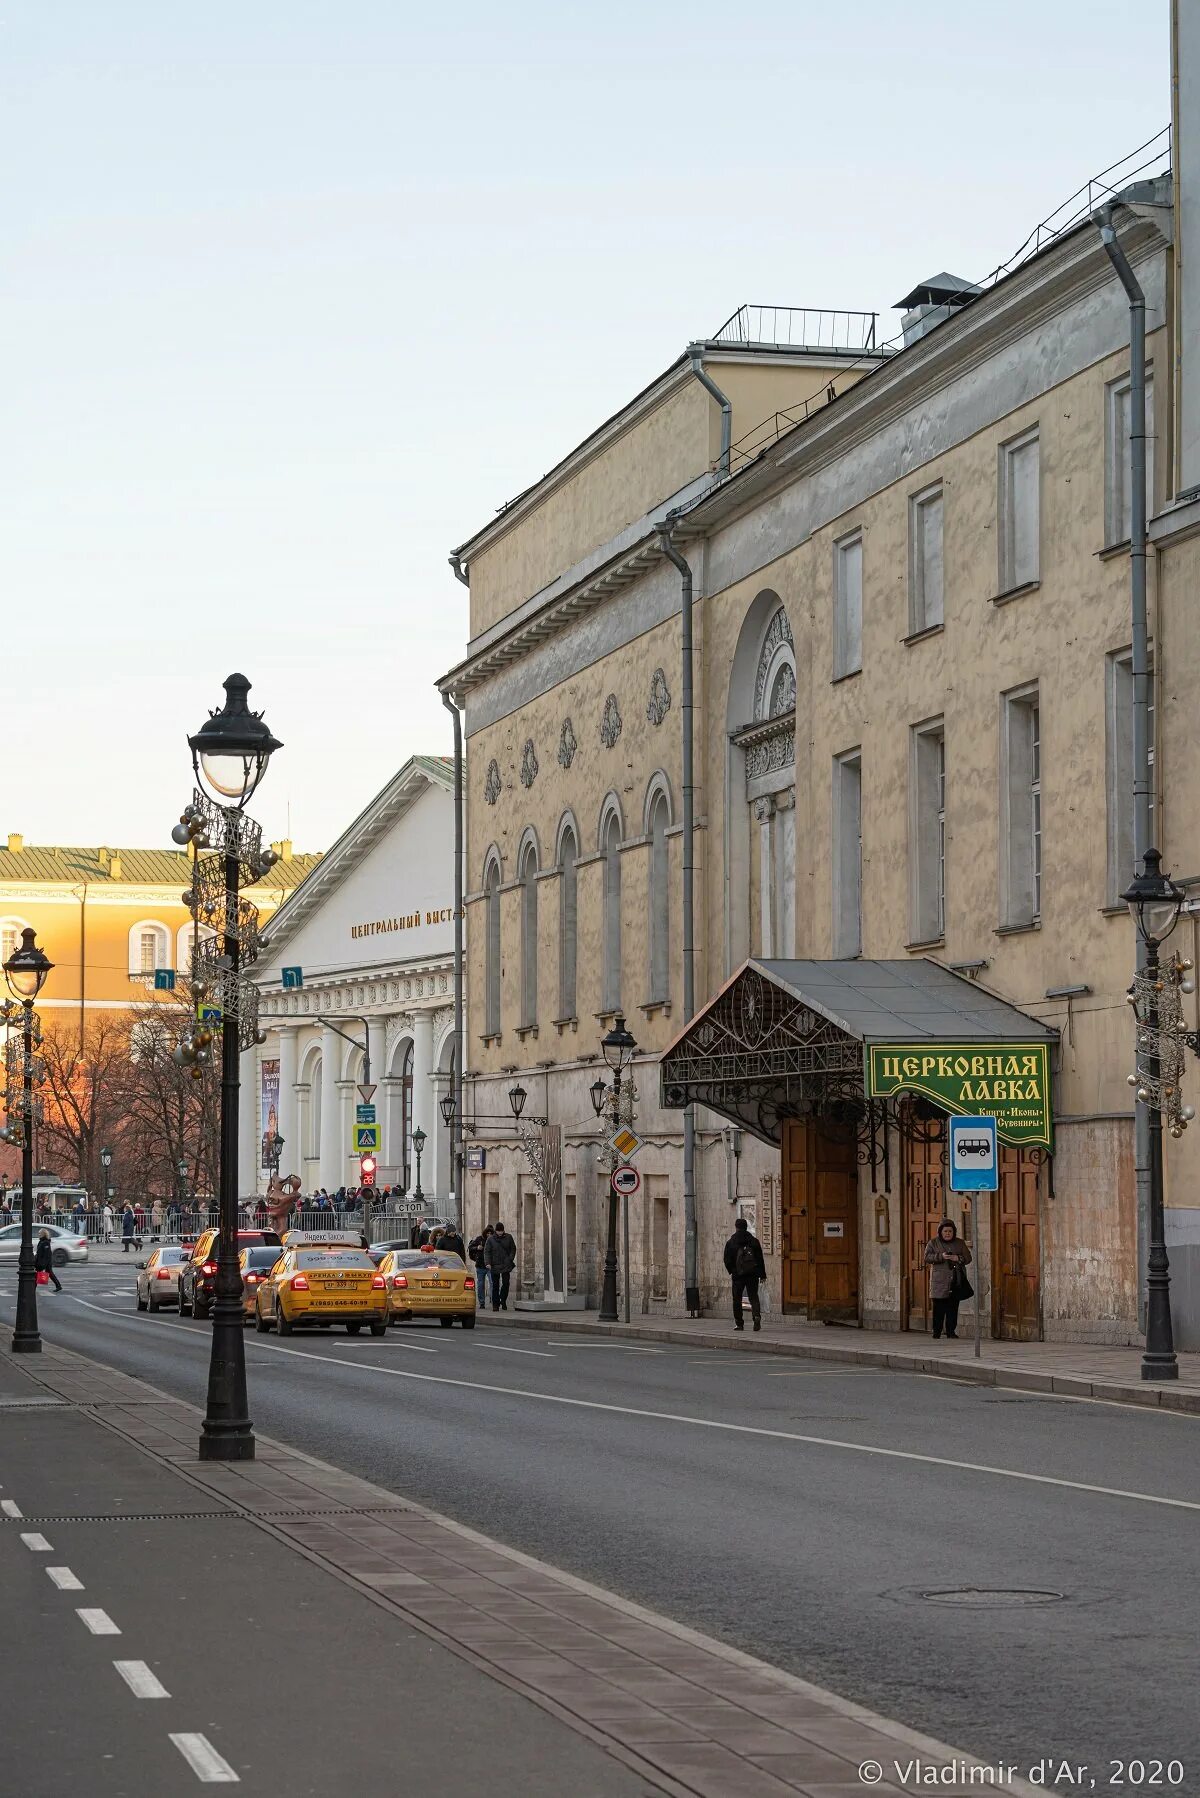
(441, 1285)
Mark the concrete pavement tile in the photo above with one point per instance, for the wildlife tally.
(808, 1766)
(713, 1772)
(753, 1738)
(857, 1790)
(791, 1709)
(656, 1728)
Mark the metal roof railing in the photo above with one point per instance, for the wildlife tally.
(799, 327)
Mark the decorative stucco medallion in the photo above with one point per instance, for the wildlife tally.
(610, 724)
(529, 764)
(567, 744)
(491, 785)
(660, 697)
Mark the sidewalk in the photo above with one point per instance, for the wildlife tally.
(1075, 1369)
(249, 1576)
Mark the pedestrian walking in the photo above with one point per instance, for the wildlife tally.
(451, 1243)
(475, 1249)
(43, 1259)
(745, 1265)
(156, 1220)
(109, 1221)
(946, 1257)
(128, 1227)
(500, 1257)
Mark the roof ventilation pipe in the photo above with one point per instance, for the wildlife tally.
(696, 352)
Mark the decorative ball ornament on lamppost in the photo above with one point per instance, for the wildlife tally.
(25, 972)
(618, 1048)
(230, 754)
(1154, 902)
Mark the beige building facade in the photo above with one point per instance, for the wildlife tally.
(912, 729)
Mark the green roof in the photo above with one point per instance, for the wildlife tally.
(139, 867)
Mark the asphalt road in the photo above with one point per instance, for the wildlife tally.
(805, 1514)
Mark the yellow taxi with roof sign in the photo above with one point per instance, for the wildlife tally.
(322, 1277)
(429, 1282)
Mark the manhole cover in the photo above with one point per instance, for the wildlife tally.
(997, 1597)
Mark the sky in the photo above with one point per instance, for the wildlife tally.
(298, 292)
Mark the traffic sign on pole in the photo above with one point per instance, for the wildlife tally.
(973, 1160)
(366, 1139)
(292, 977)
(364, 1114)
(164, 980)
(625, 1180)
(626, 1144)
(366, 1093)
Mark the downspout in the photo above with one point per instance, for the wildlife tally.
(459, 573)
(687, 706)
(1141, 664)
(456, 1130)
(696, 353)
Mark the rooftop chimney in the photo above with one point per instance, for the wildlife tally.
(16, 842)
(283, 849)
(114, 865)
(932, 301)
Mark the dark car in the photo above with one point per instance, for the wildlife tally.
(378, 1250)
(198, 1281)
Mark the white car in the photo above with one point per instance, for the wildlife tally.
(158, 1278)
(65, 1245)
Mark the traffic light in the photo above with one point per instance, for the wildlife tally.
(366, 1170)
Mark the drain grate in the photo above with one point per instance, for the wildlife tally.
(993, 1597)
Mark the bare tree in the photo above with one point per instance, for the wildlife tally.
(83, 1096)
(172, 1114)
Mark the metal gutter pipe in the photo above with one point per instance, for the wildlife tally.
(456, 1129)
(696, 353)
(459, 575)
(1141, 661)
(687, 711)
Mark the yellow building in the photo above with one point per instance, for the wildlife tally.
(107, 918)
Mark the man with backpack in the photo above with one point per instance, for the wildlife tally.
(745, 1265)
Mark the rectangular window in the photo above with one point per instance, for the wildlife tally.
(1021, 808)
(925, 597)
(1118, 490)
(1020, 511)
(149, 951)
(928, 832)
(1120, 770)
(847, 606)
(847, 854)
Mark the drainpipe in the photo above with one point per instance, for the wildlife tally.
(456, 1129)
(687, 706)
(696, 352)
(1141, 663)
(459, 572)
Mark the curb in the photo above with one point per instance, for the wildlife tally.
(966, 1372)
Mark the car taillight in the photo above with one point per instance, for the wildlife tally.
(379, 1282)
(469, 1284)
(299, 1283)
(210, 1267)
(164, 1273)
(81, 1242)
(399, 1280)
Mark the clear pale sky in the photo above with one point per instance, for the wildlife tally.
(297, 294)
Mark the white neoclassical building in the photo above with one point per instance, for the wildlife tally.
(371, 933)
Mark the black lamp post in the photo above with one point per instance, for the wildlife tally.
(446, 1107)
(230, 753)
(1154, 901)
(418, 1150)
(619, 1049)
(25, 971)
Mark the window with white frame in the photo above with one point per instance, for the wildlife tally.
(149, 947)
(660, 903)
(847, 605)
(10, 936)
(1118, 487)
(847, 854)
(568, 915)
(1020, 511)
(1020, 808)
(928, 831)
(529, 937)
(1120, 769)
(611, 850)
(926, 609)
(491, 949)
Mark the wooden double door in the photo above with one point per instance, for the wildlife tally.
(819, 1224)
(1013, 1215)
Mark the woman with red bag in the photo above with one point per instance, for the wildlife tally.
(43, 1261)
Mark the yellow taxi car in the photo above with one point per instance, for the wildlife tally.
(428, 1283)
(322, 1277)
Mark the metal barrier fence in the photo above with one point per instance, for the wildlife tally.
(190, 1219)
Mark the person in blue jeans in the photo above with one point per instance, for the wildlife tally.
(476, 1252)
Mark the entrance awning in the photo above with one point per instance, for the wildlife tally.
(786, 1039)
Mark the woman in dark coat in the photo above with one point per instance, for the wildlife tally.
(43, 1258)
(945, 1256)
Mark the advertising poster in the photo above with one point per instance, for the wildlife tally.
(270, 1112)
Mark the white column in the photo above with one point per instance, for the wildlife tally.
(440, 1171)
(764, 811)
(334, 1165)
(785, 872)
(422, 1091)
(377, 1046)
(289, 1110)
(249, 1106)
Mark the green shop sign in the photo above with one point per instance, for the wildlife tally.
(1007, 1081)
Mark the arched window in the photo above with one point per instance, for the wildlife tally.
(761, 917)
(10, 936)
(149, 947)
(313, 1109)
(610, 843)
(186, 938)
(529, 935)
(491, 979)
(660, 902)
(568, 913)
(406, 1113)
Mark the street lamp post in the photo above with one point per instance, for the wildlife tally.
(619, 1049)
(25, 972)
(418, 1140)
(230, 753)
(1154, 901)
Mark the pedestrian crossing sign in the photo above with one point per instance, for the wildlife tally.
(366, 1139)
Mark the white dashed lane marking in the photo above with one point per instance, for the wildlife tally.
(10, 1507)
(99, 1622)
(504, 1349)
(141, 1682)
(36, 1542)
(205, 1762)
(64, 1579)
